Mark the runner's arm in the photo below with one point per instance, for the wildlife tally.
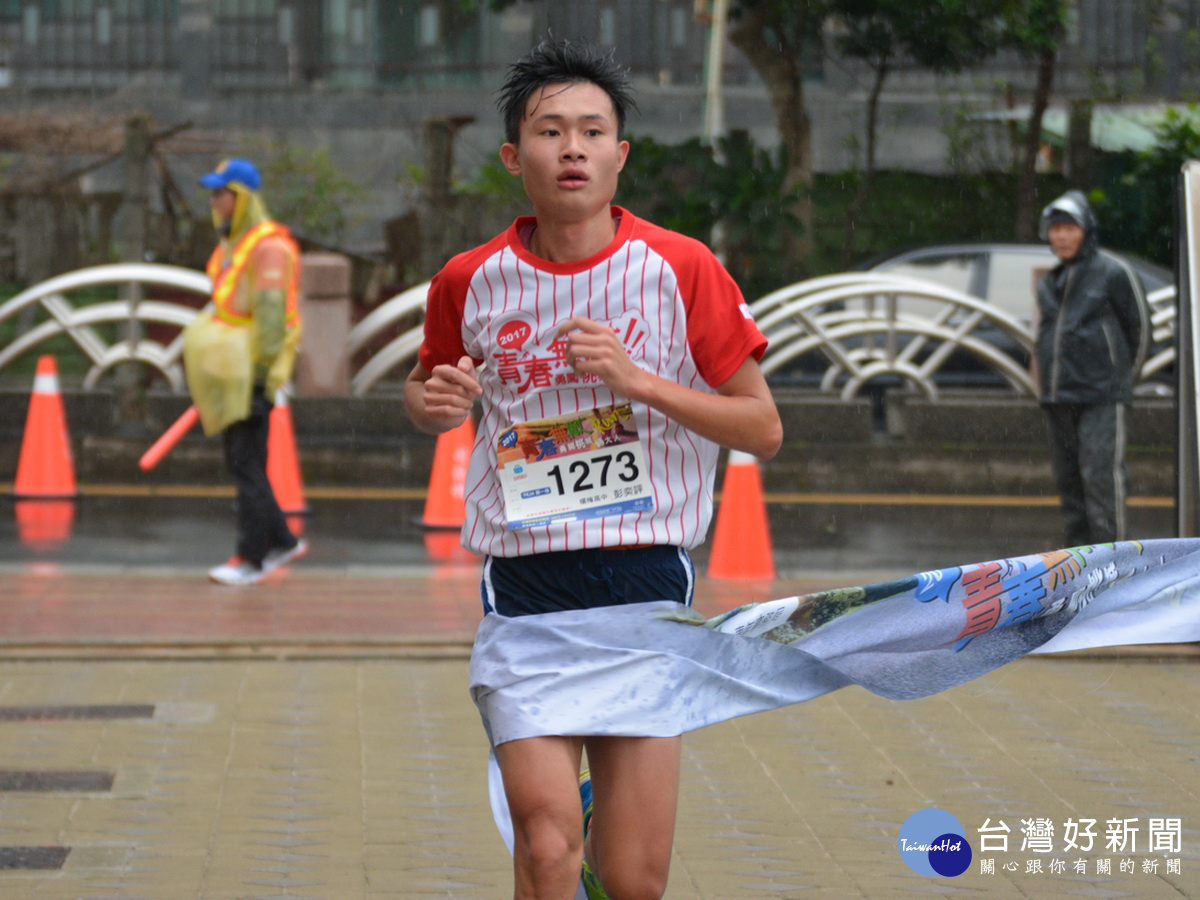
(740, 416)
(440, 400)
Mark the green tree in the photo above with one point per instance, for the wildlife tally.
(688, 188)
(306, 190)
(776, 36)
(1136, 213)
(1035, 28)
(942, 36)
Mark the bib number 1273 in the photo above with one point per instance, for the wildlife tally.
(583, 466)
(592, 473)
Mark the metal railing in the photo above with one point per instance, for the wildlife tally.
(400, 350)
(50, 302)
(1162, 334)
(853, 328)
(845, 330)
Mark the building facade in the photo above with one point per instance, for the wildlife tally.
(362, 79)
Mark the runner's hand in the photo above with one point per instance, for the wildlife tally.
(450, 392)
(595, 349)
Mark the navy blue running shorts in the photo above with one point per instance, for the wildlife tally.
(584, 579)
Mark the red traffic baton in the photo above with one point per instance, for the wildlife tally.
(169, 439)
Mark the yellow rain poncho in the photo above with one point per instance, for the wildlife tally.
(249, 334)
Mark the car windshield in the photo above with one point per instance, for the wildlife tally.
(1006, 275)
(952, 270)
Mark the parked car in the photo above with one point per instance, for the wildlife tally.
(1006, 275)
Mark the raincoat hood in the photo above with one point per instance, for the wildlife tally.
(1075, 205)
(248, 211)
(242, 178)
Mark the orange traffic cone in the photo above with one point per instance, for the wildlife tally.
(283, 464)
(45, 469)
(445, 506)
(742, 542)
(44, 525)
(444, 546)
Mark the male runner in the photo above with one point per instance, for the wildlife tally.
(613, 359)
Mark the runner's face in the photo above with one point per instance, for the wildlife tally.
(1065, 240)
(569, 154)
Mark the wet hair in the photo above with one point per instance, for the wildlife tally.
(562, 62)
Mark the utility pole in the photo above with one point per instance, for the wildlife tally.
(196, 20)
(714, 98)
(135, 201)
(714, 74)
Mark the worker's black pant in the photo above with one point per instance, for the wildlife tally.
(1087, 452)
(261, 526)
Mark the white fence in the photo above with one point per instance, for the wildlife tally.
(843, 331)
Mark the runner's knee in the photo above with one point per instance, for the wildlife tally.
(634, 882)
(550, 845)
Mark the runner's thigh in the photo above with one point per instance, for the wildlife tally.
(635, 781)
(541, 778)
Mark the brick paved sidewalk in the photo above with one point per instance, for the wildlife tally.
(161, 737)
(419, 610)
(365, 779)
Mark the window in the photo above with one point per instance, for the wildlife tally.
(428, 26)
(608, 27)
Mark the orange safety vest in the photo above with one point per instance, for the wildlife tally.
(225, 277)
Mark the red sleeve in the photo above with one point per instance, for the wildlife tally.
(443, 340)
(721, 332)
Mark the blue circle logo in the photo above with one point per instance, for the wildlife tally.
(932, 842)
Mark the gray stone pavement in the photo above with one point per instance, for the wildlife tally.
(215, 771)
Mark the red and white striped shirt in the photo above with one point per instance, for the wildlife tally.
(680, 316)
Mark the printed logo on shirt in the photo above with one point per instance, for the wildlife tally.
(524, 359)
(514, 334)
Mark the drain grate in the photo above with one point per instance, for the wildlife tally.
(60, 713)
(33, 857)
(56, 781)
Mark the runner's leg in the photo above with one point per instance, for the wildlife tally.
(636, 788)
(541, 782)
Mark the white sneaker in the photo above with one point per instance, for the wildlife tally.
(236, 570)
(276, 558)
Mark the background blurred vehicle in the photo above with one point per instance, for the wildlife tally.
(1006, 275)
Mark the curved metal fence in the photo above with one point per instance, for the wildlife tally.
(46, 311)
(1161, 357)
(850, 329)
(407, 305)
(839, 331)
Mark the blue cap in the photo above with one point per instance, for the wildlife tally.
(240, 170)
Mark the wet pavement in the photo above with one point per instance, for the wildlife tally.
(162, 737)
(379, 529)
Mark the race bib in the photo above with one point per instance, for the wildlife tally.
(582, 466)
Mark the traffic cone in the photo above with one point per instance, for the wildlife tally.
(45, 469)
(445, 506)
(445, 546)
(44, 525)
(742, 542)
(283, 464)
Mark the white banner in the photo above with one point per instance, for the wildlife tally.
(647, 669)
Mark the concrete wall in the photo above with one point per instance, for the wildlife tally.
(966, 445)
